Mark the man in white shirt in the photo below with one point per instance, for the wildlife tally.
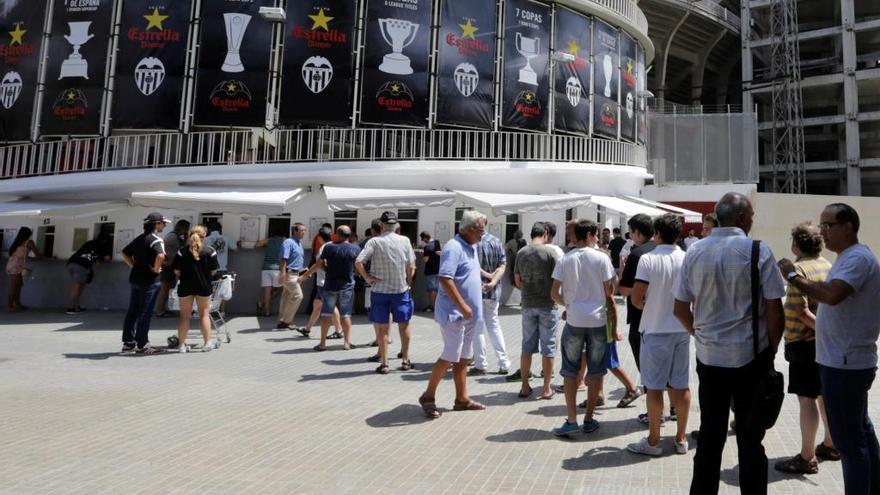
(690, 239)
(665, 349)
(582, 283)
(716, 278)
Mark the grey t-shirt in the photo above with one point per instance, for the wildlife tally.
(846, 334)
(535, 265)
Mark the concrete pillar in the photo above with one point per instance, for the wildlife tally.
(746, 45)
(851, 100)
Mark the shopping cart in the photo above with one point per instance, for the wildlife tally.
(221, 290)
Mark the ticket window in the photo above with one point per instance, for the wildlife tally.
(345, 217)
(409, 224)
(46, 240)
(105, 229)
(279, 226)
(209, 218)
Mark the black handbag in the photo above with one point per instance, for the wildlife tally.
(769, 386)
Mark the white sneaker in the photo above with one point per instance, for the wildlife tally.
(212, 344)
(183, 349)
(645, 448)
(681, 448)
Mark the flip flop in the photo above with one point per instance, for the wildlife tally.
(335, 335)
(470, 405)
(318, 348)
(547, 397)
(429, 407)
(524, 395)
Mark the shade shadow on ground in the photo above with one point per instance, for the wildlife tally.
(522, 436)
(603, 457)
(402, 415)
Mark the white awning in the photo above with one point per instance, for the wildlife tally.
(226, 199)
(690, 216)
(348, 198)
(626, 207)
(510, 204)
(57, 209)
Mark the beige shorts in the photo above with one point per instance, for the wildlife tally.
(270, 278)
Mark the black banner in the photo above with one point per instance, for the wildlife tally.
(642, 85)
(395, 70)
(628, 89)
(151, 64)
(572, 72)
(318, 64)
(76, 66)
(233, 69)
(606, 78)
(466, 69)
(526, 92)
(22, 22)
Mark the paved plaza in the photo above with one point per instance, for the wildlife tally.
(267, 414)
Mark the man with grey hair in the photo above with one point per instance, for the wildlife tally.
(392, 266)
(459, 309)
(493, 263)
(713, 301)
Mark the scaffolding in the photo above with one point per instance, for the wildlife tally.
(787, 100)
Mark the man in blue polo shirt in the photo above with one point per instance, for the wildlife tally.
(292, 266)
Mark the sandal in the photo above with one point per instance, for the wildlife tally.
(429, 407)
(630, 396)
(348, 347)
(797, 465)
(470, 405)
(547, 397)
(382, 369)
(406, 366)
(303, 331)
(319, 348)
(335, 335)
(523, 395)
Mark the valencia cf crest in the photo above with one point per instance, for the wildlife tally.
(149, 74)
(231, 96)
(317, 73)
(573, 90)
(10, 89)
(394, 96)
(608, 116)
(71, 104)
(466, 78)
(527, 104)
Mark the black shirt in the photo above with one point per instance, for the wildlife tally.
(615, 246)
(432, 266)
(195, 275)
(88, 254)
(143, 250)
(628, 279)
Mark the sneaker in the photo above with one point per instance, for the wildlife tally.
(643, 419)
(645, 448)
(502, 371)
(128, 348)
(681, 448)
(590, 426)
(211, 345)
(517, 376)
(672, 415)
(566, 429)
(797, 465)
(71, 311)
(826, 453)
(182, 349)
(282, 326)
(476, 372)
(149, 350)
(630, 397)
(560, 387)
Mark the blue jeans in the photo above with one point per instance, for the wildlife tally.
(576, 340)
(845, 393)
(539, 325)
(136, 328)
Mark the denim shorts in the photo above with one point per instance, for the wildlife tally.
(577, 340)
(78, 273)
(330, 298)
(665, 360)
(399, 306)
(431, 284)
(539, 325)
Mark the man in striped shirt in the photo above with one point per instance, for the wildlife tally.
(800, 352)
(493, 263)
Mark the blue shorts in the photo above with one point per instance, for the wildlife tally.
(611, 360)
(665, 360)
(431, 284)
(399, 306)
(539, 325)
(330, 298)
(577, 340)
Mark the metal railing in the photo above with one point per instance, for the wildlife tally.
(306, 145)
(720, 13)
(628, 9)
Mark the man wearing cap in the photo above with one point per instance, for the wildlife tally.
(392, 266)
(144, 255)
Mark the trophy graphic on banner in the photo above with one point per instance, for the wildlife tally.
(236, 25)
(606, 71)
(399, 34)
(75, 65)
(573, 90)
(528, 48)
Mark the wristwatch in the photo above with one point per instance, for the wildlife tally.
(792, 275)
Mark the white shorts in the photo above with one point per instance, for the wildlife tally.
(458, 340)
(665, 360)
(270, 278)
